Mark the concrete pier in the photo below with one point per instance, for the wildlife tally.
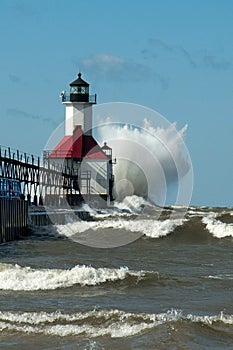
(38, 216)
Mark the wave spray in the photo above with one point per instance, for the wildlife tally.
(151, 157)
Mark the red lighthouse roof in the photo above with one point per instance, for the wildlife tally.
(78, 146)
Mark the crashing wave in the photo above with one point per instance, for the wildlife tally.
(149, 228)
(114, 323)
(217, 228)
(15, 277)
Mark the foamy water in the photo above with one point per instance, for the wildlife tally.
(15, 277)
(217, 228)
(171, 288)
(149, 228)
(113, 323)
(131, 216)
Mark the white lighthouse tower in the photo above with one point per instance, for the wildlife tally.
(78, 107)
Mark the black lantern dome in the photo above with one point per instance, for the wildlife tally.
(79, 90)
(107, 150)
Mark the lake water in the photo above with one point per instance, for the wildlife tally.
(80, 286)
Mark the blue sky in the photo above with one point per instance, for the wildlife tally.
(175, 57)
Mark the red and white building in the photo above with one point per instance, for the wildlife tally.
(79, 150)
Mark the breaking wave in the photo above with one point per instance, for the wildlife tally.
(114, 323)
(218, 228)
(148, 228)
(18, 278)
(135, 217)
(150, 157)
(129, 206)
(133, 204)
(220, 277)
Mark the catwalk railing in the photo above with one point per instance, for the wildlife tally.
(38, 182)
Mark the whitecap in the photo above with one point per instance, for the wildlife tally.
(134, 204)
(148, 227)
(217, 228)
(114, 323)
(15, 277)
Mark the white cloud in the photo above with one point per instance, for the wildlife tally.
(103, 64)
(103, 58)
(110, 67)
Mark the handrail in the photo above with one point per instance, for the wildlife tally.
(31, 160)
(57, 153)
(15, 154)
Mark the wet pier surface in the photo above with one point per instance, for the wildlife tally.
(43, 216)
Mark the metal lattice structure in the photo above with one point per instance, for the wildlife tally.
(38, 182)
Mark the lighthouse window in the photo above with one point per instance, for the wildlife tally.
(74, 89)
(78, 90)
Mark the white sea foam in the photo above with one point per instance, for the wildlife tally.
(130, 206)
(133, 204)
(196, 213)
(147, 227)
(217, 228)
(15, 277)
(220, 277)
(161, 228)
(209, 320)
(114, 323)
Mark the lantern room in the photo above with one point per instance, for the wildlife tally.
(107, 150)
(78, 106)
(79, 90)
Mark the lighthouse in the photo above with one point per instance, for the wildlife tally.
(78, 107)
(90, 164)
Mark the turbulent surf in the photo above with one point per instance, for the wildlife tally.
(170, 287)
